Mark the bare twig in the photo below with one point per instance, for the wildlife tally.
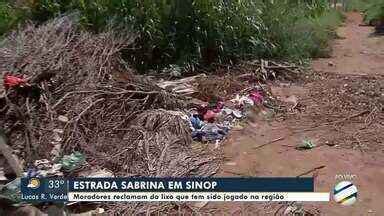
(270, 142)
(311, 170)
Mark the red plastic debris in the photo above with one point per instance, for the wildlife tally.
(256, 97)
(13, 81)
(210, 116)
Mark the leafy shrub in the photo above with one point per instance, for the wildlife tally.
(374, 12)
(356, 5)
(300, 30)
(189, 32)
(9, 16)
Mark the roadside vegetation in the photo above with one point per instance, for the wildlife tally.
(9, 16)
(188, 33)
(373, 12)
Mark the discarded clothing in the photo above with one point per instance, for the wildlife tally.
(197, 124)
(210, 133)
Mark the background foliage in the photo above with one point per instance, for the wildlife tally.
(191, 32)
(374, 11)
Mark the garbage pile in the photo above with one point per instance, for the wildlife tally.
(71, 105)
(219, 103)
(213, 121)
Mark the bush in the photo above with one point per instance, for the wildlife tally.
(189, 32)
(301, 30)
(374, 12)
(9, 16)
(356, 5)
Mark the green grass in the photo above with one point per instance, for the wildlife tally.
(356, 5)
(299, 36)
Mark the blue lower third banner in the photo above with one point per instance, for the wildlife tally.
(169, 189)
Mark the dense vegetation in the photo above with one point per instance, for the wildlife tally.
(9, 16)
(374, 11)
(190, 32)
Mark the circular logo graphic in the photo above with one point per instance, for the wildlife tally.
(345, 193)
(33, 183)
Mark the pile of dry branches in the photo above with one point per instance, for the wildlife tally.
(219, 87)
(82, 96)
(270, 70)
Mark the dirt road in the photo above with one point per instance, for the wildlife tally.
(340, 112)
(358, 52)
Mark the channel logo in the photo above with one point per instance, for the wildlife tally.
(345, 193)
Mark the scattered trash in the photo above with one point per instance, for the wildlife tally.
(2, 174)
(235, 113)
(93, 212)
(173, 70)
(331, 144)
(196, 122)
(363, 52)
(219, 106)
(306, 144)
(103, 173)
(256, 97)
(126, 126)
(72, 161)
(237, 127)
(56, 137)
(56, 150)
(183, 86)
(210, 132)
(63, 119)
(59, 131)
(210, 116)
(13, 81)
(231, 163)
(44, 168)
(243, 101)
(217, 144)
(11, 193)
(294, 209)
(198, 205)
(212, 122)
(293, 100)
